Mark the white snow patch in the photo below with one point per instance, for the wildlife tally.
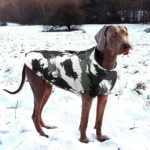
(126, 119)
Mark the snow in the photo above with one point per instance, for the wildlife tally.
(127, 115)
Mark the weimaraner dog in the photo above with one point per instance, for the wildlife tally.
(88, 73)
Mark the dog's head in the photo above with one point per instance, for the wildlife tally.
(113, 38)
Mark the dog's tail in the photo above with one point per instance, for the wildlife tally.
(22, 82)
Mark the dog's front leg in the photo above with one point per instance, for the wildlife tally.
(86, 106)
(101, 104)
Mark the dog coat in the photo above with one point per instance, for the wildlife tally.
(73, 71)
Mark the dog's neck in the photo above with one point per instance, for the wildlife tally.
(106, 59)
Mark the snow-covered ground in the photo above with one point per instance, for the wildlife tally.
(127, 116)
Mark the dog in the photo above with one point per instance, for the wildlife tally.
(89, 73)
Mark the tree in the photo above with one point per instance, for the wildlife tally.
(67, 14)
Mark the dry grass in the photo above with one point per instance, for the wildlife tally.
(140, 86)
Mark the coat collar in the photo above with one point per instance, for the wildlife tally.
(94, 56)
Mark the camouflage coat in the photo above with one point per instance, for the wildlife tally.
(77, 72)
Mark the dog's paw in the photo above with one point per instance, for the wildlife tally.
(51, 127)
(84, 140)
(103, 138)
(46, 136)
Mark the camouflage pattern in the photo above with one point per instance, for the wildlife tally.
(73, 71)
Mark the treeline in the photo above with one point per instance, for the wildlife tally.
(41, 11)
(120, 11)
(68, 12)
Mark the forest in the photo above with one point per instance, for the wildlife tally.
(74, 12)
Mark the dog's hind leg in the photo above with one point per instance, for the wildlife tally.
(36, 116)
(47, 93)
(38, 88)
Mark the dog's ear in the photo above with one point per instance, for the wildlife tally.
(126, 28)
(100, 38)
(127, 31)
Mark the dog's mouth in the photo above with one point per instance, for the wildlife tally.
(126, 52)
(123, 52)
(125, 49)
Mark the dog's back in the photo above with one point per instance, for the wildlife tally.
(77, 72)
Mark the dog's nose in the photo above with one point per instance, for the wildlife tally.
(126, 46)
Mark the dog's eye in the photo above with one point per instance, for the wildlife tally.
(125, 33)
(114, 34)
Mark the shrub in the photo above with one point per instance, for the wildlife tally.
(67, 14)
(3, 24)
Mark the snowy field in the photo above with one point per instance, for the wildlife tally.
(127, 115)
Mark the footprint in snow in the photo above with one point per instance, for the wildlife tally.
(4, 131)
